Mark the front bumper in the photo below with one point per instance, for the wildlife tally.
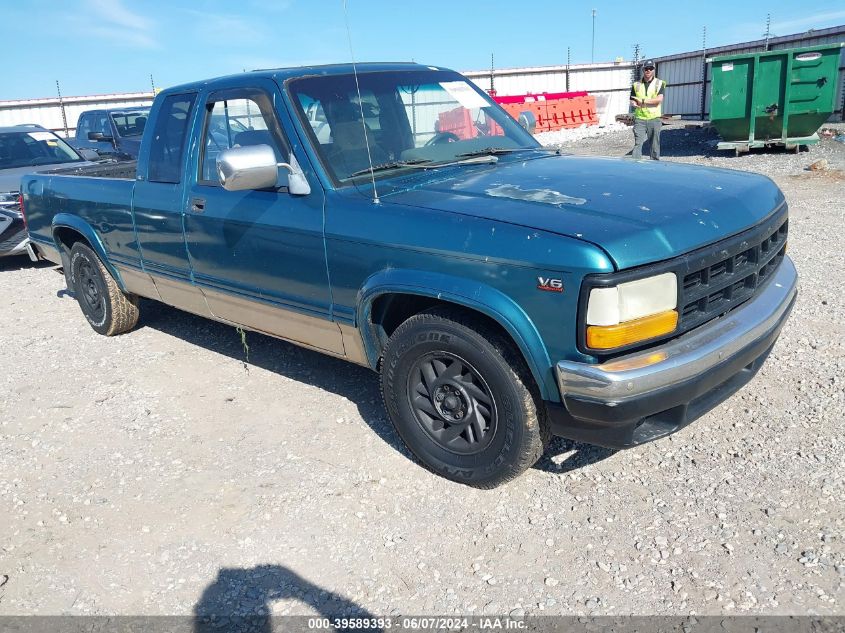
(649, 394)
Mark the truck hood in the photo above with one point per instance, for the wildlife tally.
(637, 211)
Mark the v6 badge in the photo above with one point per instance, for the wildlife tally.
(548, 284)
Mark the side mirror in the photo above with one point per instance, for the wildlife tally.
(88, 154)
(255, 167)
(99, 136)
(527, 121)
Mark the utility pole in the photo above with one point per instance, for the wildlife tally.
(703, 70)
(593, 48)
(634, 76)
(635, 67)
(768, 30)
(568, 58)
(62, 106)
(492, 87)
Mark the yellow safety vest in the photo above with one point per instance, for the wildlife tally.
(648, 112)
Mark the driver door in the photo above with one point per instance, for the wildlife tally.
(258, 255)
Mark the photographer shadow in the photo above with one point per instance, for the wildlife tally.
(240, 600)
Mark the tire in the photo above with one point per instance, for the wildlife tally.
(461, 399)
(108, 309)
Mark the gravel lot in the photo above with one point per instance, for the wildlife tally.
(157, 473)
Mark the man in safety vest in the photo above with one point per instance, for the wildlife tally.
(647, 97)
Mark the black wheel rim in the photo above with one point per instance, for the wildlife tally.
(91, 290)
(452, 403)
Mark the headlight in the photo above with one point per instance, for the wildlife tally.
(632, 312)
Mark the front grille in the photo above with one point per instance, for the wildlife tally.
(712, 288)
(712, 280)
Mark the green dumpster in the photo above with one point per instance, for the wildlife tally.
(773, 98)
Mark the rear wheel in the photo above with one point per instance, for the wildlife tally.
(108, 309)
(461, 399)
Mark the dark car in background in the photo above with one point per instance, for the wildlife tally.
(25, 149)
(114, 133)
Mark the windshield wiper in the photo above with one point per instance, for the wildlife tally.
(494, 151)
(396, 164)
(425, 163)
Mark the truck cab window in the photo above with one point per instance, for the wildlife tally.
(84, 128)
(237, 122)
(168, 143)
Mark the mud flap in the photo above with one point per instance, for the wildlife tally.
(66, 269)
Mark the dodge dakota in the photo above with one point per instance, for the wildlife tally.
(393, 215)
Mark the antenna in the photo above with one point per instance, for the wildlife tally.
(360, 104)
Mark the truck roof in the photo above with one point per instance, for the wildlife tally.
(282, 74)
(144, 108)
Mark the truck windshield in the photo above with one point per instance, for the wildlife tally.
(410, 118)
(34, 147)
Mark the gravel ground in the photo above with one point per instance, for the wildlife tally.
(157, 473)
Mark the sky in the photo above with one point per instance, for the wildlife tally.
(115, 46)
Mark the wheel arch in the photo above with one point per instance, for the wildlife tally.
(68, 229)
(389, 298)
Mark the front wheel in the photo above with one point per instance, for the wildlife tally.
(108, 309)
(458, 395)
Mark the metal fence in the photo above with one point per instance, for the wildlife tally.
(687, 76)
(610, 83)
(60, 115)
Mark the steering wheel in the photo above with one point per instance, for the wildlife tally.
(442, 137)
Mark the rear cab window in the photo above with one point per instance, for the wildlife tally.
(167, 150)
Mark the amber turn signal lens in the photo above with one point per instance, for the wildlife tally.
(613, 336)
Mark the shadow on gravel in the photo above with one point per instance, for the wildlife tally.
(241, 600)
(694, 141)
(581, 455)
(355, 383)
(21, 262)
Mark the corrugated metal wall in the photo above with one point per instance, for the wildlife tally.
(609, 82)
(683, 72)
(48, 112)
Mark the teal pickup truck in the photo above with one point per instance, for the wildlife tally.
(393, 215)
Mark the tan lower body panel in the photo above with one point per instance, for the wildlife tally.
(50, 253)
(314, 332)
(343, 341)
(139, 283)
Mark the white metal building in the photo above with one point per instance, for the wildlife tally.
(609, 82)
(683, 73)
(686, 74)
(61, 115)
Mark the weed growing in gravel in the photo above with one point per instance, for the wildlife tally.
(242, 332)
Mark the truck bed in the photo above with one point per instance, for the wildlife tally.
(124, 170)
